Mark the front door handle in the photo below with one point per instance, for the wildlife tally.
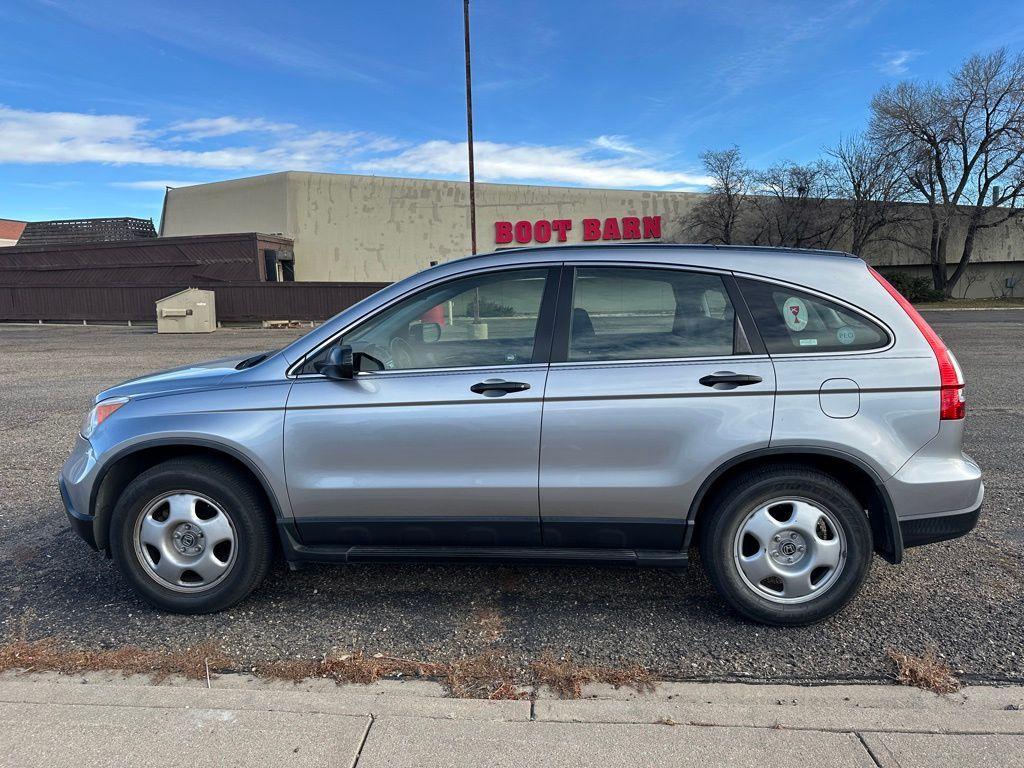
(498, 387)
(729, 380)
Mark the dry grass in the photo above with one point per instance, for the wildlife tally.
(927, 671)
(49, 656)
(488, 675)
(485, 676)
(567, 678)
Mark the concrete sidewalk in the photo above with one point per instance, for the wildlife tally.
(99, 720)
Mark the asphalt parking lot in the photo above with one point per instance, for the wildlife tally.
(965, 597)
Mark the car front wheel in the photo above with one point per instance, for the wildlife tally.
(786, 545)
(191, 536)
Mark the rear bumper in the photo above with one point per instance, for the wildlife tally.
(918, 531)
(939, 480)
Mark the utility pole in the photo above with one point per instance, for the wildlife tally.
(469, 130)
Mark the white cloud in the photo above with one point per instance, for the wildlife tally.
(617, 144)
(74, 137)
(510, 162)
(895, 63)
(210, 127)
(28, 137)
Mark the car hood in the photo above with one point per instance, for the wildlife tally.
(187, 377)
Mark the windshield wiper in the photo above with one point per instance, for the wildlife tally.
(249, 362)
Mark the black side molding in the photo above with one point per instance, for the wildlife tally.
(299, 554)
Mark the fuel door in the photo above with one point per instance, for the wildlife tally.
(839, 398)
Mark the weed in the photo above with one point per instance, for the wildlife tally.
(567, 678)
(49, 656)
(928, 672)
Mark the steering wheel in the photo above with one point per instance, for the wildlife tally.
(402, 353)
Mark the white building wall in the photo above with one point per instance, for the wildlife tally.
(379, 229)
(370, 228)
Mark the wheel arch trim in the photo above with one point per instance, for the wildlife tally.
(886, 530)
(100, 522)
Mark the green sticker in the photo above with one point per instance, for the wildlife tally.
(808, 342)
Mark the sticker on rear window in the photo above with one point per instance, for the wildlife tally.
(846, 335)
(794, 311)
(808, 342)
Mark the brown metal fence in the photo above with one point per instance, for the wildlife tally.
(236, 301)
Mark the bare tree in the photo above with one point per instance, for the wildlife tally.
(970, 277)
(794, 207)
(717, 217)
(871, 181)
(962, 148)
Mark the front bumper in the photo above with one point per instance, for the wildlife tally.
(81, 524)
(75, 482)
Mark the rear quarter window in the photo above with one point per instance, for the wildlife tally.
(791, 321)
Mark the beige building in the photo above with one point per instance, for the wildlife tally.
(371, 228)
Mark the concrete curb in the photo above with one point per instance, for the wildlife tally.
(833, 708)
(100, 719)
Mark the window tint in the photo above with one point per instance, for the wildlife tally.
(645, 314)
(485, 320)
(790, 321)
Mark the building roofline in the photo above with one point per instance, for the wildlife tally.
(144, 242)
(384, 177)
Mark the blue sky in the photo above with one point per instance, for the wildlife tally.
(104, 102)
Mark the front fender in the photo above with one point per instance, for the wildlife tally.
(245, 423)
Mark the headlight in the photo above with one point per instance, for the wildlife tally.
(100, 413)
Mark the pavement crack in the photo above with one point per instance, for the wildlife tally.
(871, 754)
(362, 741)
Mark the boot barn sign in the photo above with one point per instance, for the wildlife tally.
(545, 231)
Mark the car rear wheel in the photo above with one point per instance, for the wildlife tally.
(786, 545)
(192, 536)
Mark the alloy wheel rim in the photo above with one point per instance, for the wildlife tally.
(790, 550)
(185, 541)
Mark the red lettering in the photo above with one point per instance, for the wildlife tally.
(561, 226)
(630, 228)
(502, 232)
(652, 226)
(591, 229)
(611, 230)
(524, 231)
(542, 231)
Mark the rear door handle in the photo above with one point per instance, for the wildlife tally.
(729, 380)
(498, 387)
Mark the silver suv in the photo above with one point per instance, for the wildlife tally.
(787, 411)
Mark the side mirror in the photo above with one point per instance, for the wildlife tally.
(338, 363)
(431, 332)
(425, 333)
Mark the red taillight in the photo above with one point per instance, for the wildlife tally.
(952, 404)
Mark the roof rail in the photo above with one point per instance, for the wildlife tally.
(667, 246)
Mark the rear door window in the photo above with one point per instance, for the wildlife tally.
(625, 313)
(791, 321)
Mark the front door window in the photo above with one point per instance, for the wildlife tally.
(485, 320)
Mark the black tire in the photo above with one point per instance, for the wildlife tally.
(235, 494)
(728, 511)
